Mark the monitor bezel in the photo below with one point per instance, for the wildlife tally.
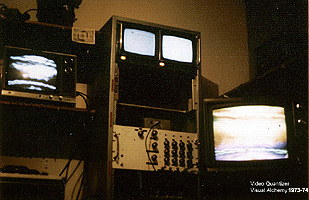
(212, 164)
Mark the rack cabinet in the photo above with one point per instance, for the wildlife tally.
(130, 95)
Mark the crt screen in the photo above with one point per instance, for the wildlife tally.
(32, 72)
(139, 42)
(177, 48)
(245, 133)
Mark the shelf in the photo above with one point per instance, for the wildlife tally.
(151, 107)
(46, 106)
(30, 176)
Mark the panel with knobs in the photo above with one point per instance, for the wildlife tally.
(154, 149)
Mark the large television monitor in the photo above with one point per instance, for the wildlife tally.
(247, 134)
(38, 75)
(157, 47)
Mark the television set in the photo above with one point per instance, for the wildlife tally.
(38, 75)
(247, 133)
(157, 47)
(179, 51)
(177, 48)
(137, 43)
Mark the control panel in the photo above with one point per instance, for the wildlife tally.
(154, 149)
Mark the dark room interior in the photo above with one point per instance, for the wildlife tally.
(141, 106)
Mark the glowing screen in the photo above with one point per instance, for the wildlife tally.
(139, 42)
(245, 133)
(177, 48)
(32, 72)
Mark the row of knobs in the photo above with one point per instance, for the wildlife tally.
(175, 154)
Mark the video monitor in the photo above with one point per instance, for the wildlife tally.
(32, 72)
(250, 132)
(177, 48)
(139, 42)
(40, 75)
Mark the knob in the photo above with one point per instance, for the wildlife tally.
(174, 144)
(166, 143)
(174, 153)
(182, 154)
(182, 162)
(174, 162)
(182, 145)
(154, 133)
(154, 145)
(68, 69)
(189, 146)
(154, 158)
(189, 163)
(189, 154)
(140, 133)
(166, 161)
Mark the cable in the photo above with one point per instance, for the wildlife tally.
(67, 171)
(66, 167)
(81, 177)
(3, 6)
(30, 10)
(81, 186)
(80, 144)
(83, 95)
(13, 13)
(77, 166)
(26, 15)
(84, 98)
(158, 122)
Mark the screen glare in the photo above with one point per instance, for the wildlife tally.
(139, 42)
(32, 72)
(245, 133)
(177, 49)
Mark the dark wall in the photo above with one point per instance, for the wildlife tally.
(277, 31)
